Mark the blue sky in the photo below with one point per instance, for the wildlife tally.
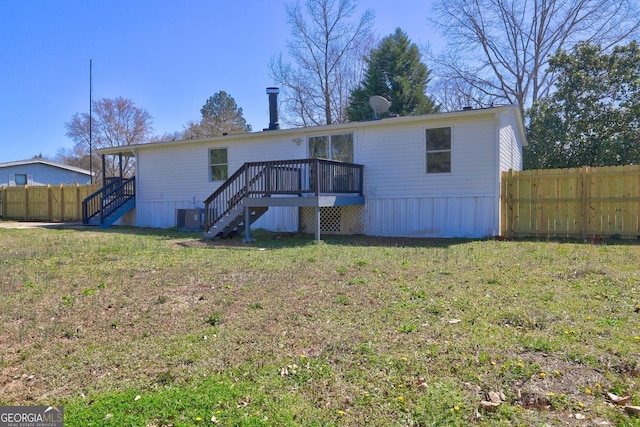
(167, 56)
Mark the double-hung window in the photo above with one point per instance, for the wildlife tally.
(218, 164)
(438, 143)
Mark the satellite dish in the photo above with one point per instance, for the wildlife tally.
(379, 105)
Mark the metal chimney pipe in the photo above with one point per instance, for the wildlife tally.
(273, 108)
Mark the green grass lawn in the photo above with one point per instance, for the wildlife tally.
(132, 327)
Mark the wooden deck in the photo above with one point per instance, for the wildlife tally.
(289, 183)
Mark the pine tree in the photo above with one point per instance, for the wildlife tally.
(220, 115)
(395, 72)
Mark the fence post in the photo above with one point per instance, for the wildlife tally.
(61, 202)
(584, 200)
(507, 204)
(502, 227)
(78, 210)
(26, 202)
(49, 203)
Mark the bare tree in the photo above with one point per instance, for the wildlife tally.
(115, 122)
(456, 94)
(498, 50)
(327, 48)
(73, 157)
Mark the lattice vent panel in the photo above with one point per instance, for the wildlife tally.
(330, 220)
(334, 220)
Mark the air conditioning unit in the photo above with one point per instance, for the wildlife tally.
(190, 219)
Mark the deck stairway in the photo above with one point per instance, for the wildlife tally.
(107, 205)
(254, 187)
(233, 222)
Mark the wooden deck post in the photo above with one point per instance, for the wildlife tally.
(317, 223)
(316, 180)
(104, 175)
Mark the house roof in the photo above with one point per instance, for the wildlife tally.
(393, 121)
(45, 162)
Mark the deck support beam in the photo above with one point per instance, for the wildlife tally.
(317, 223)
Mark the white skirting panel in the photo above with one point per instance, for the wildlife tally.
(163, 215)
(471, 216)
(159, 214)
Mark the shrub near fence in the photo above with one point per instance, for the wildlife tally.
(44, 203)
(579, 202)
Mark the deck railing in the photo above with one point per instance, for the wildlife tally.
(287, 177)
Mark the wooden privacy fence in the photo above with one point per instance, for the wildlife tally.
(44, 203)
(579, 202)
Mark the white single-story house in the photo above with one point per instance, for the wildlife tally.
(41, 172)
(434, 175)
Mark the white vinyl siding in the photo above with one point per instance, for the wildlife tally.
(177, 177)
(394, 160)
(510, 147)
(400, 198)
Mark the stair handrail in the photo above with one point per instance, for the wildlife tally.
(117, 197)
(245, 182)
(91, 205)
(107, 199)
(232, 189)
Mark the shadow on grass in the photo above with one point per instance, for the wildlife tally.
(275, 240)
(267, 239)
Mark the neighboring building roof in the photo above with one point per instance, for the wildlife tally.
(130, 149)
(45, 162)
